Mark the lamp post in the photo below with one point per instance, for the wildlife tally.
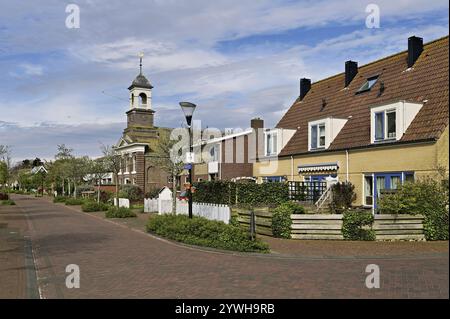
(188, 109)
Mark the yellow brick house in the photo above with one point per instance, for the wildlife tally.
(376, 126)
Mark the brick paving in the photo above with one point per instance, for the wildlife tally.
(117, 262)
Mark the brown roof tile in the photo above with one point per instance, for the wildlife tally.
(427, 80)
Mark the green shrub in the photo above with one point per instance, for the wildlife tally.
(59, 199)
(281, 219)
(427, 197)
(357, 225)
(152, 193)
(74, 201)
(343, 195)
(132, 192)
(94, 207)
(121, 212)
(231, 193)
(203, 232)
(4, 196)
(8, 202)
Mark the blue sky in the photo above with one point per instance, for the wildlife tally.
(235, 59)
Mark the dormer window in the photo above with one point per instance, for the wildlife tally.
(368, 84)
(385, 125)
(271, 143)
(321, 133)
(318, 136)
(390, 121)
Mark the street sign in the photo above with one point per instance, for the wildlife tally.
(187, 166)
(189, 157)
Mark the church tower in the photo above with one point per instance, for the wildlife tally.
(140, 124)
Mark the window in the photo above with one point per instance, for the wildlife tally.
(368, 84)
(322, 135)
(142, 99)
(379, 126)
(390, 120)
(385, 125)
(318, 136)
(214, 153)
(271, 143)
(368, 190)
(274, 179)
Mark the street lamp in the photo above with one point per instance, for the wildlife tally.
(188, 110)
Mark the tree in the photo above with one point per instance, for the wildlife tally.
(112, 162)
(78, 168)
(98, 170)
(62, 166)
(166, 159)
(4, 176)
(5, 164)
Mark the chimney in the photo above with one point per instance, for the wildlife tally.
(257, 123)
(351, 69)
(305, 86)
(415, 48)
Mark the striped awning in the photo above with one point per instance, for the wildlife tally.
(323, 167)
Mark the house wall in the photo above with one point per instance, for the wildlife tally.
(422, 158)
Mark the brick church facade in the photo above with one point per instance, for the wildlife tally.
(140, 139)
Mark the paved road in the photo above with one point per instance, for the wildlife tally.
(117, 262)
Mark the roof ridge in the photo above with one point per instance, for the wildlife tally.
(381, 59)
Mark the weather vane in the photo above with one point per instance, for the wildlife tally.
(141, 55)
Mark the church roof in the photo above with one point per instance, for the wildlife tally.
(141, 82)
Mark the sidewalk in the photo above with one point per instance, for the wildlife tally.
(320, 248)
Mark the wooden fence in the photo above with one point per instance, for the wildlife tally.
(318, 226)
(263, 219)
(329, 226)
(403, 227)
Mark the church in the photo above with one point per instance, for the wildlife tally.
(140, 139)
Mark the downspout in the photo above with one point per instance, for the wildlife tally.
(346, 165)
(292, 168)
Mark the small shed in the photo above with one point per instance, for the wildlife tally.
(165, 193)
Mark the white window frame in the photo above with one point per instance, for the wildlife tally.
(318, 145)
(274, 142)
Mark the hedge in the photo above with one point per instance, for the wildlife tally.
(8, 202)
(121, 212)
(4, 196)
(281, 219)
(231, 193)
(94, 207)
(357, 225)
(74, 201)
(203, 232)
(59, 199)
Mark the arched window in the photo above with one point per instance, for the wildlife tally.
(142, 99)
(132, 98)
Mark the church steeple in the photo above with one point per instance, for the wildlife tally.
(140, 90)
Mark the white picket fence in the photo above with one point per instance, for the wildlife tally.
(123, 202)
(206, 210)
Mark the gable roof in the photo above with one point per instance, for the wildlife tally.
(426, 81)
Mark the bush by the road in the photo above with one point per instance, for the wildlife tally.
(121, 212)
(59, 199)
(357, 225)
(8, 202)
(281, 219)
(203, 232)
(74, 201)
(94, 207)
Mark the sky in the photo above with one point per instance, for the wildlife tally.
(235, 60)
